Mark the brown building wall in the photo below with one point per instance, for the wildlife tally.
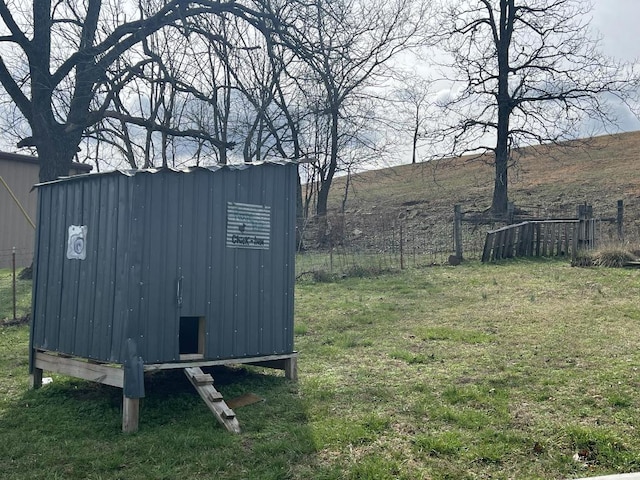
(20, 173)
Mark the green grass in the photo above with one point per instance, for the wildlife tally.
(524, 369)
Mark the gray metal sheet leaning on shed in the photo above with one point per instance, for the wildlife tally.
(156, 252)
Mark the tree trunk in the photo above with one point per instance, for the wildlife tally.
(500, 188)
(55, 155)
(323, 197)
(299, 215)
(325, 182)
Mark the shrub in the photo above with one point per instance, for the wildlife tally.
(613, 257)
(583, 258)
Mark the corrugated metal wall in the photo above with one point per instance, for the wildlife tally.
(156, 251)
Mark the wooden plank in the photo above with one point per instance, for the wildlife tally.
(508, 252)
(191, 356)
(196, 375)
(211, 363)
(130, 414)
(203, 379)
(527, 239)
(108, 375)
(499, 250)
(289, 365)
(35, 379)
(291, 369)
(486, 251)
(215, 396)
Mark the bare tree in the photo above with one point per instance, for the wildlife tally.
(217, 85)
(413, 100)
(525, 72)
(344, 46)
(58, 64)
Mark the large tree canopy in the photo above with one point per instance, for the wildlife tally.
(524, 72)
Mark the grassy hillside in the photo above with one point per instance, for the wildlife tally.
(547, 181)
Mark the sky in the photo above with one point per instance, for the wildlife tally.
(617, 21)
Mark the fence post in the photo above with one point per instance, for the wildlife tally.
(13, 269)
(619, 220)
(401, 249)
(457, 230)
(330, 256)
(511, 208)
(586, 231)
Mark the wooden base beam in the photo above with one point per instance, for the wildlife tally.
(114, 375)
(289, 365)
(100, 373)
(261, 361)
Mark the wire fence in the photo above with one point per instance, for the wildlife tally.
(23, 256)
(350, 244)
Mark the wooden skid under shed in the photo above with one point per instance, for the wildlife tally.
(113, 374)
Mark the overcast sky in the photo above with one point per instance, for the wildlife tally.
(617, 21)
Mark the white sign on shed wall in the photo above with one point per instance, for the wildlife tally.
(248, 226)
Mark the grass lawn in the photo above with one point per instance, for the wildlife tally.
(523, 370)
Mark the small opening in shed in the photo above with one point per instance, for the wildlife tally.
(191, 337)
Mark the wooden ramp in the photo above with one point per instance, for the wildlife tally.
(203, 383)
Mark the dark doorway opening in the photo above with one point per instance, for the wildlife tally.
(191, 337)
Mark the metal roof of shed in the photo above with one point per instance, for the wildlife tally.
(133, 172)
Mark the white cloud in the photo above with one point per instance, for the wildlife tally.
(617, 21)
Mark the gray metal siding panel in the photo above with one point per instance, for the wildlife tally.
(105, 238)
(171, 254)
(86, 288)
(222, 264)
(124, 255)
(282, 270)
(224, 324)
(41, 270)
(194, 217)
(147, 312)
(53, 282)
(159, 317)
(71, 272)
(131, 297)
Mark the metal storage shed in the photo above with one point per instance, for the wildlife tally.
(154, 269)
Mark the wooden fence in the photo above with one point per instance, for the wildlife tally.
(540, 238)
